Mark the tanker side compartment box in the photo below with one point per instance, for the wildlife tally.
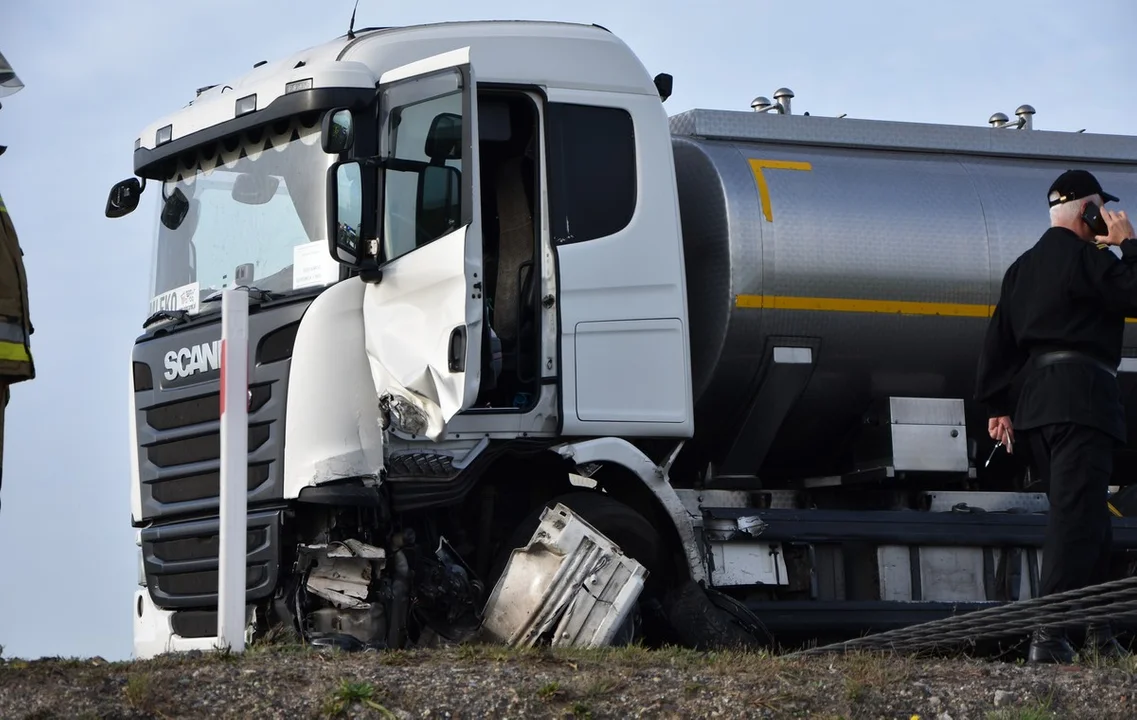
(927, 434)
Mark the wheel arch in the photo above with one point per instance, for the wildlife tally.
(630, 476)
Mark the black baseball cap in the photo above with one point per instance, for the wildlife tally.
(1074, 185)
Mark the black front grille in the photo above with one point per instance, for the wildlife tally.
(199, 410)
(198, 623)
(194, 623)
(178, 421)
(181, 560)
(181, 466)
(200, 487)
(204, 582)
(202, 448)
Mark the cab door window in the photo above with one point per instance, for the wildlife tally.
(422, 197)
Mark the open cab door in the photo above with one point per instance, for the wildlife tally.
(423, 306)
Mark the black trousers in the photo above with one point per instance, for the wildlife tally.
(1076, 462)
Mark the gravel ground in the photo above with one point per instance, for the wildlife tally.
(490, 682)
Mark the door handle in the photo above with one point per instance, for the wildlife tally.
(457, 353)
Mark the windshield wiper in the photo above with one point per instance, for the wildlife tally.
(255, 294)
(180, 316)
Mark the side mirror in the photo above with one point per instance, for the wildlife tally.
(337, 131)
(439, 206)
(123, 198)
(345, 210)
(250, 189)
(444, 139)
(175, 209)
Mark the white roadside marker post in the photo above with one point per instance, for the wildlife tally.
(234, 469)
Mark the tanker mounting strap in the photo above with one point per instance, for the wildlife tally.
(1114, 600)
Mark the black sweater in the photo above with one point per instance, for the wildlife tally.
(1062, 294)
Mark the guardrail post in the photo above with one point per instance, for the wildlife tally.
(231, 574)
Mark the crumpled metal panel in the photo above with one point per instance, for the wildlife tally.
(344, 573)
(570, 581)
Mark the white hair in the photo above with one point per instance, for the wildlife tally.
(1067, 213)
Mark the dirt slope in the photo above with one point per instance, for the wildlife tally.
(488, 682)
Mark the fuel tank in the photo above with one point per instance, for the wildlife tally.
(880, 246)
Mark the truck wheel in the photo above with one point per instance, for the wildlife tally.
(706, 619)
(619, 523)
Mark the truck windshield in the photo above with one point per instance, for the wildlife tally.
(248, 211)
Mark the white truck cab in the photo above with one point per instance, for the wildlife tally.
(483, 176)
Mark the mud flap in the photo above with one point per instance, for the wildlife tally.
(571, 583)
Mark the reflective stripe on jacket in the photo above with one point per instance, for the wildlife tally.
(16, 362)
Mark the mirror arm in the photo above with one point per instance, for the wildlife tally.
(370, 272)
(394, 163)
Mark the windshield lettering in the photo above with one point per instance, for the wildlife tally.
(182, 298)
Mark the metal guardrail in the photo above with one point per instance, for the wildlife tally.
(1113, 601)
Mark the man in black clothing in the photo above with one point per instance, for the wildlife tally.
(1060, 318)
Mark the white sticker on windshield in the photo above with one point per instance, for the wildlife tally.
(181, 298)
(313, 265)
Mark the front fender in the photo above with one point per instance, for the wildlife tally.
(332, 429)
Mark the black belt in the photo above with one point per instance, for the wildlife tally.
(1069, 356)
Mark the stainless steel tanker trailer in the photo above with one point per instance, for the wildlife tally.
(876, 251)
(732, 351)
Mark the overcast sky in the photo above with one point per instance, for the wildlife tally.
(96, 73)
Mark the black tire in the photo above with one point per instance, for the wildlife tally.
(635, 536)
(686, 615)
(705, 619)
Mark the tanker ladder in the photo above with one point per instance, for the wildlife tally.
(1114, 600)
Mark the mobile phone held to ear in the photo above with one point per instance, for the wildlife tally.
(1091, 215)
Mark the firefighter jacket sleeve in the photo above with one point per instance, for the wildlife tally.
(1001, 357)
(16, 363)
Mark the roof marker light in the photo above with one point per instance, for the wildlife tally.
(246, 105)
(298, 85)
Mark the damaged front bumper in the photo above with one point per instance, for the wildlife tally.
(159, 631)
(570, 586)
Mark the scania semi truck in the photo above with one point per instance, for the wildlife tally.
(494, 288)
